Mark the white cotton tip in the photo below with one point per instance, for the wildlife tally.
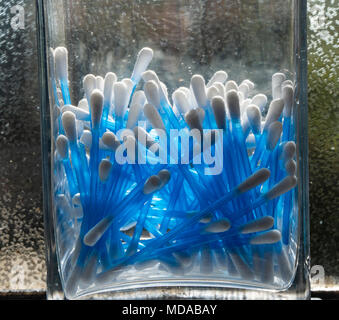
(254, 118)
(221, 88)
(218, 226)
(202, 114)
(277, 80)
(143, 60)
(83, 104)
(233, 104)
(250, 84)
(186, 91)
(254, 180)
(164, 176)
(212, 92)
(62, 146)
(150, 75)
(100, 82)
(97, 103)
(143, 137)
(61, 63)
(105, 167)
(199, 90)
(153, 116)
(164, 89)
(151, 90)
(287, 83)
(219, 110)
(219, 76)
(289, 151)
(135, 110)
(244, 89)
(244, 104)
(89, 84)
(192, 119)
(282, 187)
(109, 81)
(291, 167)
(181, 101)
(269, 237)
(86, 139)
(273, 135)
(133, 115)
(257, 225)
(260, 100)
(110, 140)
(287, 95)
(69, 123)
(274, 112)
(120, 98)
(152, 185)
(129, 85)
(80, 114)
(139, 98)
(231, 85)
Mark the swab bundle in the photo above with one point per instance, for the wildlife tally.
(201, 184)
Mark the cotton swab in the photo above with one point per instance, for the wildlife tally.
(277, 80)
(144, 58)
(260, 100)
(148, 188)
(109, 81)
(287, 96)
(62, 148)
(220, 76)
(121, 100)
(273, 114)
(61, 72)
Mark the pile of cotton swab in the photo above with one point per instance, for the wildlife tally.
(144, 210)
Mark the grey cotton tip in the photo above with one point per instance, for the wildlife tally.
(291, 167)
(254, 118)
(152, 114)
(289, 150)
(192, 119)
(269, 237)
(218, 226)
(282, 187)
(273, 135)
(233, 104)
(62, 146)
(69, 124)
(97, 103)
(111, 141)
(104, 170)
(152, 184)
(258, 225)
(287, 95)
(219, 109)
(164, 176)
(274, 112)
(254, 180)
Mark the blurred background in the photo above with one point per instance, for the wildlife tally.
(22, 250)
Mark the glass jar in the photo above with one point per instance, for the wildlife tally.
(175, 148)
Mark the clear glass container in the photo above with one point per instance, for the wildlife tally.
(175, 148)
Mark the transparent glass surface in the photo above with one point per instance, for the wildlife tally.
(113, 226)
